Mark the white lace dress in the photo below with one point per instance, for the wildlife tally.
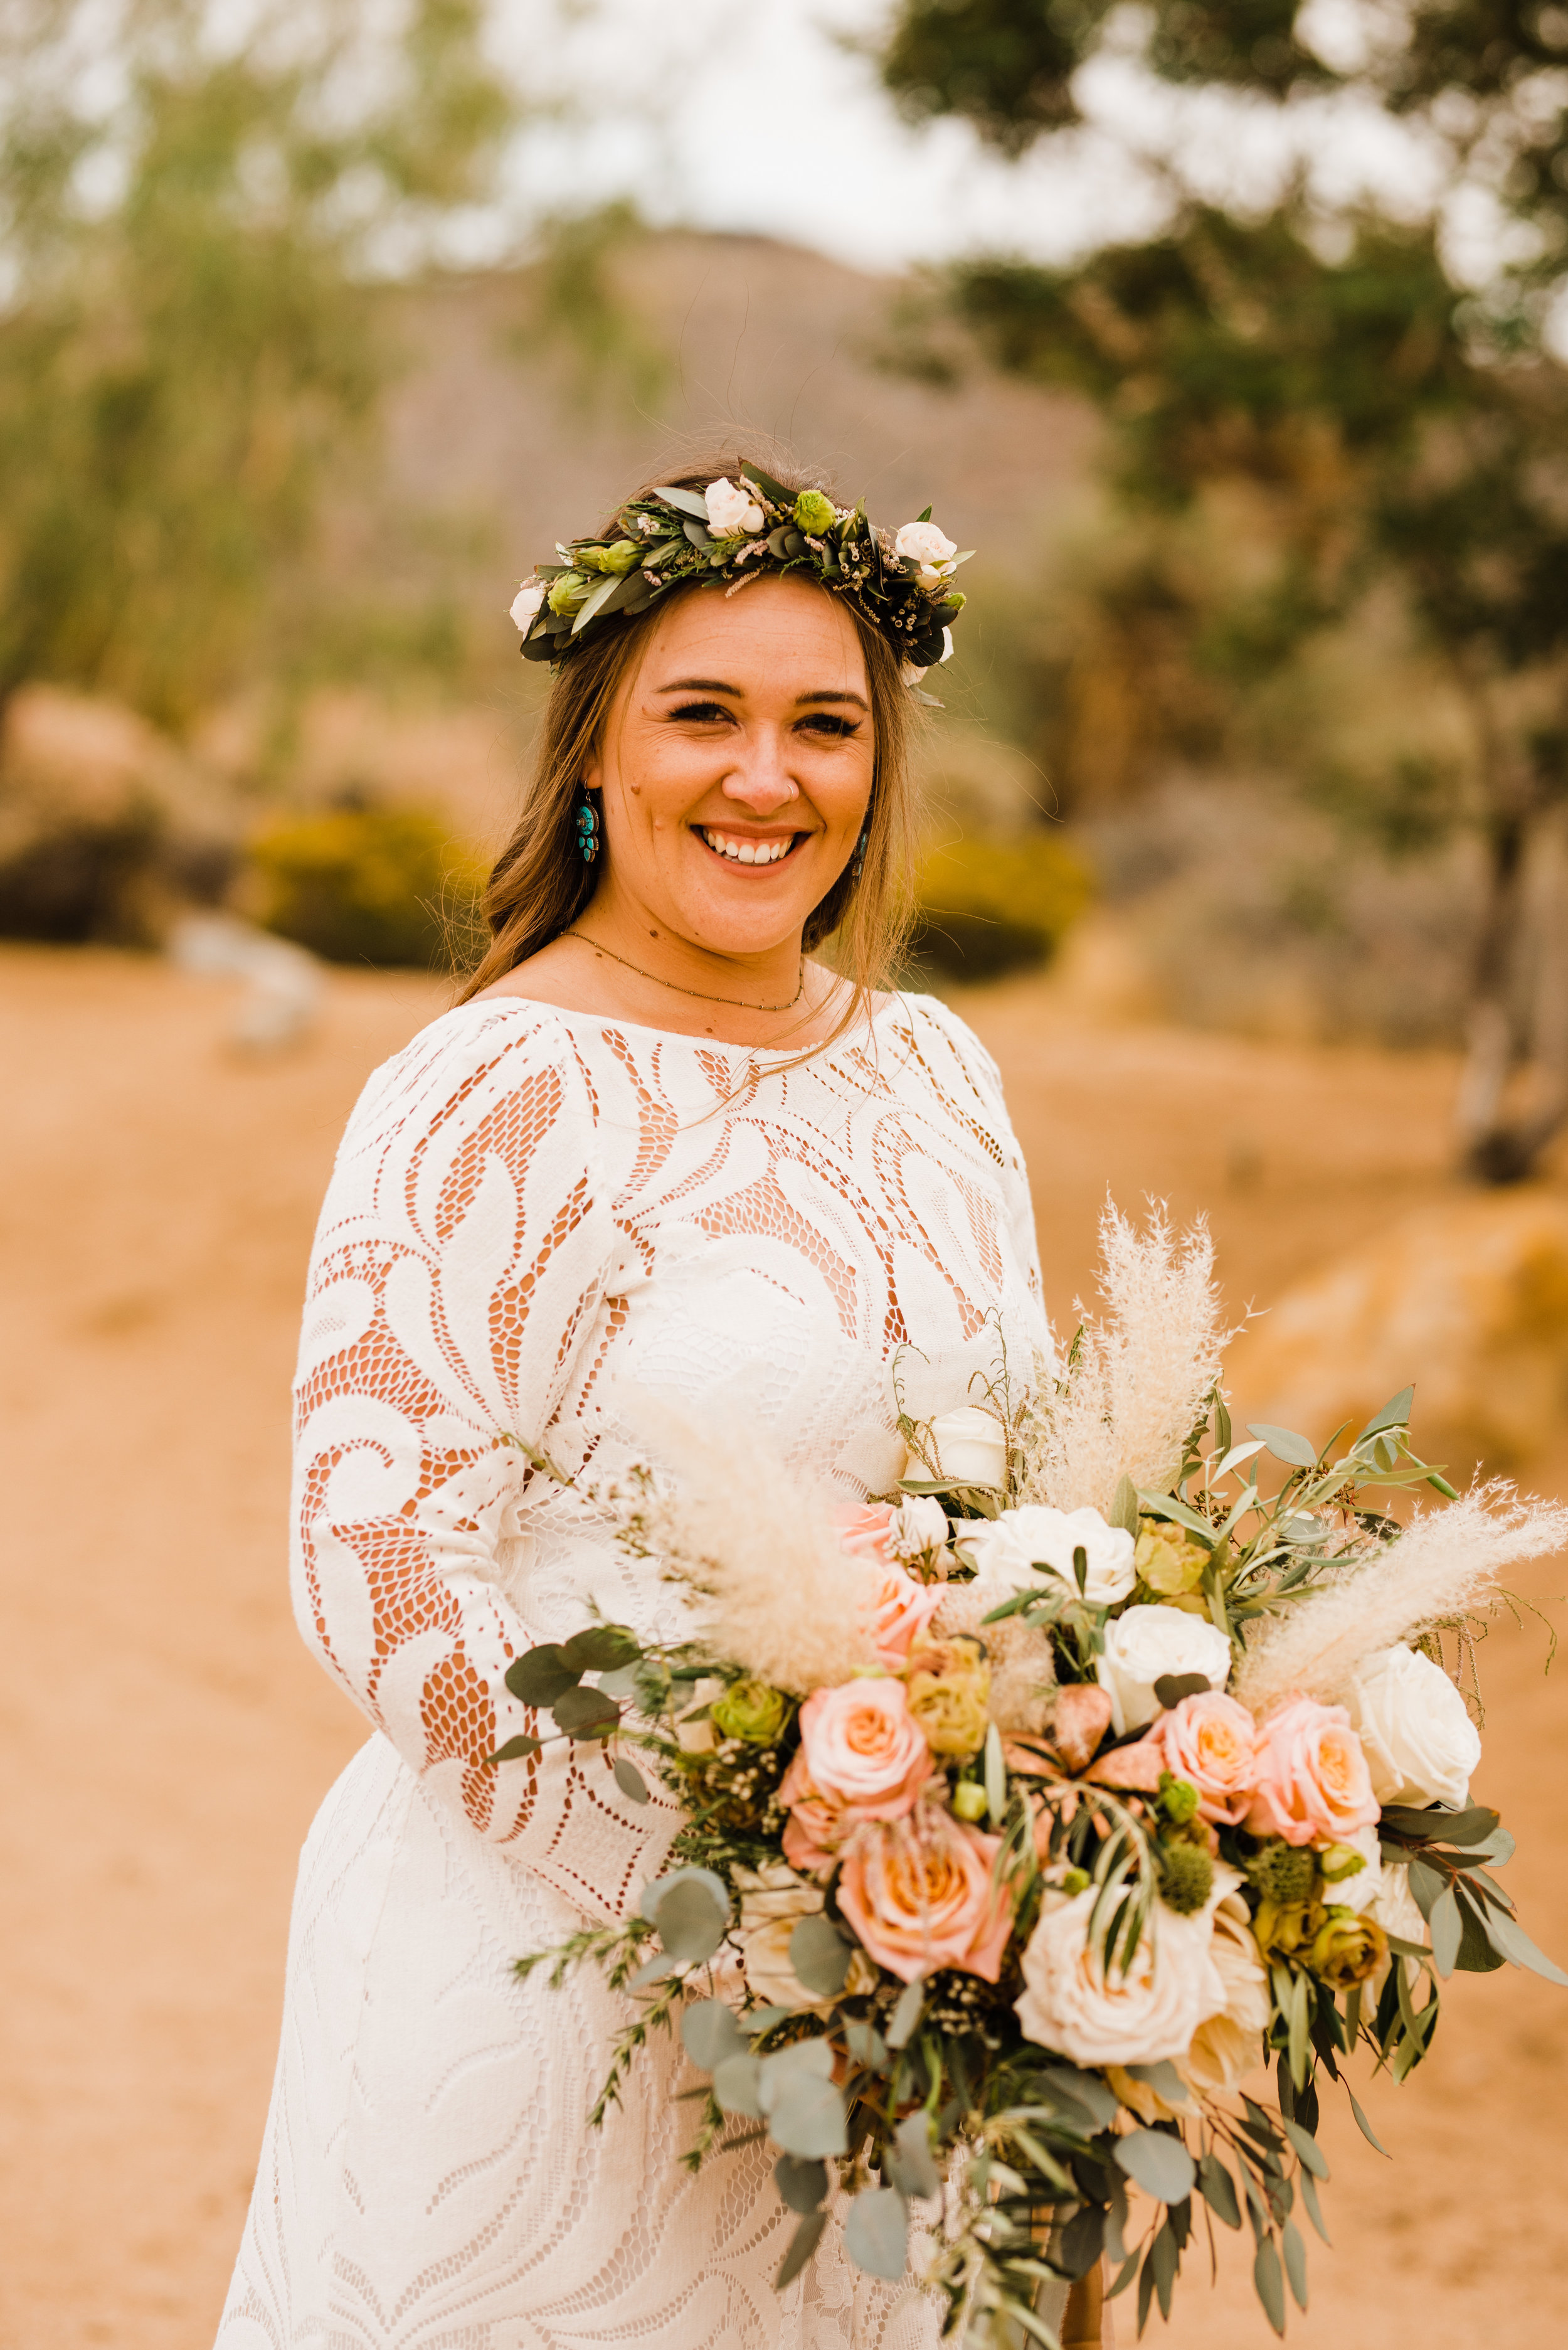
(529, 1207)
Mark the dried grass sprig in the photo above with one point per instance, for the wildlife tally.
(778, 1594)
(1444, 1568)
(1135, 1380)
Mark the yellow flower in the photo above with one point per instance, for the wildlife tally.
(1346, 1949)
(1168, 1562)
(949, 1686)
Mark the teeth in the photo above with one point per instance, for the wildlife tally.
(749, 852)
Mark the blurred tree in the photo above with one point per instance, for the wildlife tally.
(1400, 428)
(188, 223)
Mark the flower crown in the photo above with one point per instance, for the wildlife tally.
(735, 531)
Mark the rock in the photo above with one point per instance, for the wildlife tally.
(1469, 1300)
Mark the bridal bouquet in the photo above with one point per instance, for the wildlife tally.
(1034, 1809)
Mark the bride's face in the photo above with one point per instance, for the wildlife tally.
(736, 766)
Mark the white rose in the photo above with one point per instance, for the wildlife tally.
(970, 1445)
(923, 543)
(732, 512)
(774, 1900)
(916, 1526)
(525, 604)
(1362, 1887)
(947, 644)
(1421, 1745)
(1150, 2011)
(1146, 1643)
(1006, 1550)
(1228, 2046)
(699, 1737)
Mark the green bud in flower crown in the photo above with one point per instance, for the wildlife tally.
(569, 591)
(750, 1710)
(1346, 1949)
(620, 557)
(815, 514)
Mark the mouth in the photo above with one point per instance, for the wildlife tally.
(738, 848)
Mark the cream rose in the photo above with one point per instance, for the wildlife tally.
(732, 512)
(1145, 1644)
(1152, 2010)
(525, 604)
(1213, 1742)
(1228, 2046)
(774, 1900)
(923, 543)
(919, 1526)
(1312, 1783)
(1420, 1744)
(1007, 1549)
(970, 1445)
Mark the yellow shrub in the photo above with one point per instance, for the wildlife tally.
(991, 906)
(374, 885)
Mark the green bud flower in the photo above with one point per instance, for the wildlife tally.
(1279, 1928)
(969, 1801)
(620, 557)
(1177, 1799)
(750, 1710)
(814, 512)
(1283, 1873)
(1077, 1880)
(1346, 1949)
(1340, 1861)
(1186, 1877)
(570, 590)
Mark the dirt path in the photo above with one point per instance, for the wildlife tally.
(166, 1738)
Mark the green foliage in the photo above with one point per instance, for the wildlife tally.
(179, 369)
(991, 906)
(368, 885)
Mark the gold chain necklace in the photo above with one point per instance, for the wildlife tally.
(737, 1003)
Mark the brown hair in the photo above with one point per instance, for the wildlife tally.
(541, 883)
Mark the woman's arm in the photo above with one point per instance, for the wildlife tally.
(458, 1269)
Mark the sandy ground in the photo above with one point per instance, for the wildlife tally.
(166, 1738)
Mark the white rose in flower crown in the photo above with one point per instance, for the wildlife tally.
(1145, 1644)
(917, 1525)
(1150, 2011)
(1420, 1744)
(732, 512)
(947, 644)
(970, 1445)
(525, 604)
(923, 543)
(1006, 1550)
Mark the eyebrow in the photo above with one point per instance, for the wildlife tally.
(717, 685)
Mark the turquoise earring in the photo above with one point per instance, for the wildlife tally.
(588, 829)
(860, 859)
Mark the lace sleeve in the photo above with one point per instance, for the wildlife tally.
(459, 1266)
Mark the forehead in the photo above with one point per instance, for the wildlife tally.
(773, 634)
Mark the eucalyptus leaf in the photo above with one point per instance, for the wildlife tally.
(736, 2084)
(1426, 1884)
(762, 2018)
(1086, 2090)
(803, 2185)
(877, 2232)
(1313, 2209)
(1447, 1929)
(1476, 1955)
(1159, 2164)
(1082, 2240)
(541, 1675)
(909, 2164)
(709, 2033)
(1509, 1937)
(690, 1924)
(1164, 2259)
(1296, 1452)
(601, 1649)
(804, 2113)
(516, 1749)
(820, 1955)
(1364, 2126)
(1162, 2077)
(1218, 2189)
(652, 1971)
(907, 2014)
(1270, 2284)
(1296, 2263)
(802, 2244)
(1306, 2145)
(629, 1780)
(622, 1683)
(1395, 1413)
(596, 603)
(654, 1894)
(688, 502)
(867, 2046)
(585, 1713)
(697, 533)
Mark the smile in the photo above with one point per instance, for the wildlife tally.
(748, 852)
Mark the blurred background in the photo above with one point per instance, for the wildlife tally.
(1232, 335)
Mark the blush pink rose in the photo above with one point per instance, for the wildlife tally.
(1313, 1783)
(862, 1749)
(899, 1607)
(921, 1894)
(815, 1828)
(1211, 1741)
(866, 1530)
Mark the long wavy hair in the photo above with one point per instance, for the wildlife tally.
(541, 884)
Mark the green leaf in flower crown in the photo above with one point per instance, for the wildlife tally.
(1285, 1445)
(1218, 2189)
(602, 1648)
(697, 533)
(689, 502)
(820, 1955)
(541, 1675)
(1159, 2164)
(595, 604)
(803, 2185)
(774, 491)
(1395, 1413)
(909, 2165)
(877, 2232)
(709, 2033)
(802, 2244)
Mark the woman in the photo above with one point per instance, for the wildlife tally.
(657, 1145)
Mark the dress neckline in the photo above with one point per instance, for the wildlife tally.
(603, 1020)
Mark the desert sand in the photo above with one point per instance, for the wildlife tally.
(166, 1738)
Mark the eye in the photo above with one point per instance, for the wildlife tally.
(825, 722)
(700, 714)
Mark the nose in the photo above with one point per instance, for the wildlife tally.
(759, 781)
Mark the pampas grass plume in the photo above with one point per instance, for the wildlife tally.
(1446, 1566)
